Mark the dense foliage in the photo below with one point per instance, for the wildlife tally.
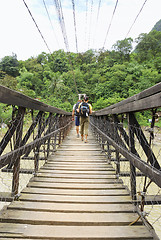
(157, 26)
(106, 77)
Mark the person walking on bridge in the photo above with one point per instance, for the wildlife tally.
(85, 109)
(75, 113)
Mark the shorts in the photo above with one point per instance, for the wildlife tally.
(77, 121)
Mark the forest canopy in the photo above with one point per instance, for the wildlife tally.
(107, 77)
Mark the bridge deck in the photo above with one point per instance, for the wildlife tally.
(75, 195)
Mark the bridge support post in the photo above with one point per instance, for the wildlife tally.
(132, 149)
(49, 130)
(60, 125)
(37, 149)
(117, 137)
(16, 166)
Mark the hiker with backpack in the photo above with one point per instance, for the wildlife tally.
(85, 109)
(75, 113)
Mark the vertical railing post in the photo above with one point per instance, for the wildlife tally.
(16, 166)
(117, 152)
(49, 130)
(60, 125)
(104, 130)
(99, 126)
(117, 163)
(107, 144)
(64, 121)
(37, 149)
(132, 149)
(56, 126)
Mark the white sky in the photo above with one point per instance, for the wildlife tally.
(19, 35)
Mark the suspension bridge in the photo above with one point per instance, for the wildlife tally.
(55, 186)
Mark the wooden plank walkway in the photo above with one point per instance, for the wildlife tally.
(75, 195)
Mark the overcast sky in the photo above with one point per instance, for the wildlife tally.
(19, 35)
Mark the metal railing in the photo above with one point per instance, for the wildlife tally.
(32, 131)
(134, 150)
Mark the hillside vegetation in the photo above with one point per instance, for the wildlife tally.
(157, 26)
(106, 77)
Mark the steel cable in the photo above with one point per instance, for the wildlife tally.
(50, 22)
(110, 23)
(37, 26)
(136, 18)
(89, 39)
(99, 6)
(75, 28)
(62, 22)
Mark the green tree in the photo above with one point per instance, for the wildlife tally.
(157, 26)
(59, 61)
(148, 45)
(9, 81)
(123, 48)
(10, 65)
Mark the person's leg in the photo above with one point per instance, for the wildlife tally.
(82, 127)
(77, 125)
(86, 124)
(77, 130)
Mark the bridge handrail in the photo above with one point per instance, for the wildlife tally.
(11, 156)
(146, 169)
(147, 99)
(47, 127)
(11, 97)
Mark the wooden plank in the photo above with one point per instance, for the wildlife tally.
(66, 144)
(75, 232)
(74, 176)
(77, 186)
(67, 207)
(82, 169)
(69, 180)
(79, 164)
(70, 219)
(76, 153)
(76, 199)
(63, 148)
(77, 192)
(72, 172)
(77, 159)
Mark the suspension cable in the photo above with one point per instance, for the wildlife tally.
(90, 24)
(50, 22)
(37, 26)
(99, 6)
(86, 23)
(136, 18)
(73, 4)
(62, 22)
(110, 23)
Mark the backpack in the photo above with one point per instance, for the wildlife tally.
(75, 109)
(84, 109)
